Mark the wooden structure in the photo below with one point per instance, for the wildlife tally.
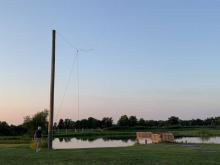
(146, 136)
(154, 138)
(167, 137)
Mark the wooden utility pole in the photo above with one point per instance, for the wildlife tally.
(50, 125)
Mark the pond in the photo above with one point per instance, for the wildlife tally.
(215, 140)
(68, 143)
(65, 143)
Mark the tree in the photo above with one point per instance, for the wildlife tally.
(151, 123)
(39, 119)
(185, 123)
(4, 128)
(11, 130)
(161, 123)
(83, 123)
(209, 121)
(106, 122)
(173, 120)
(217, 121)
(197, 122)
(72, 124)
(77, 124)
(123, 121)
(61, 124)
(55, 125)
(67, 123)
(141, 122)
(93, 123)
(132, 121)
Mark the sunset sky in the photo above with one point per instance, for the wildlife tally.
(152, 59)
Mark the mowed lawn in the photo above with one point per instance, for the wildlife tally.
(168, 154)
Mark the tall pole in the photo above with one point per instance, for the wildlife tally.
(50, 125)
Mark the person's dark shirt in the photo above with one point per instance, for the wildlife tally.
(38, 134)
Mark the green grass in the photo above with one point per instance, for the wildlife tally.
(155, 154)
(15, 139)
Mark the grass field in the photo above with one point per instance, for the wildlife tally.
(16, 151)
(158, 154)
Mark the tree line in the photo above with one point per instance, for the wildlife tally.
(30, 124)
(90, 123)
(132, 121)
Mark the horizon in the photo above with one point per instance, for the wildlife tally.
(147, 59)
(115, 122)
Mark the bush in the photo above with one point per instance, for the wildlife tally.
(44, 144)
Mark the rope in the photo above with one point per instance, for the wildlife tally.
(76, 57)
(66, 41)
(66, 86)
(78, 81)
(69, 76)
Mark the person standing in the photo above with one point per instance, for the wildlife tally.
(37, 138)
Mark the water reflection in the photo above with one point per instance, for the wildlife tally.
(91, 142)
(215, 140)
(65, 139)
(117, 141)
(205, 138)
(91, 139)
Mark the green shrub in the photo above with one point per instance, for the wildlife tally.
(43, 144)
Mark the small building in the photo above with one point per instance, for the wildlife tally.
(167, 137)
(146, 136)
(154, 138)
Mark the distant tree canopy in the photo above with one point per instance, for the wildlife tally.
(106, 122)
(173, 120)
(39, 119)
(30, 124)
(123, 121)
(11, 130)
(132, 122)
(141, 122)
(90, 123)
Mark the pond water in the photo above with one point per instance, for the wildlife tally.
(67, 142)
(215, 140)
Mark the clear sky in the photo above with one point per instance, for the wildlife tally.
(152, 59)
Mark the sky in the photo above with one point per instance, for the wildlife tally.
(148, 58)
